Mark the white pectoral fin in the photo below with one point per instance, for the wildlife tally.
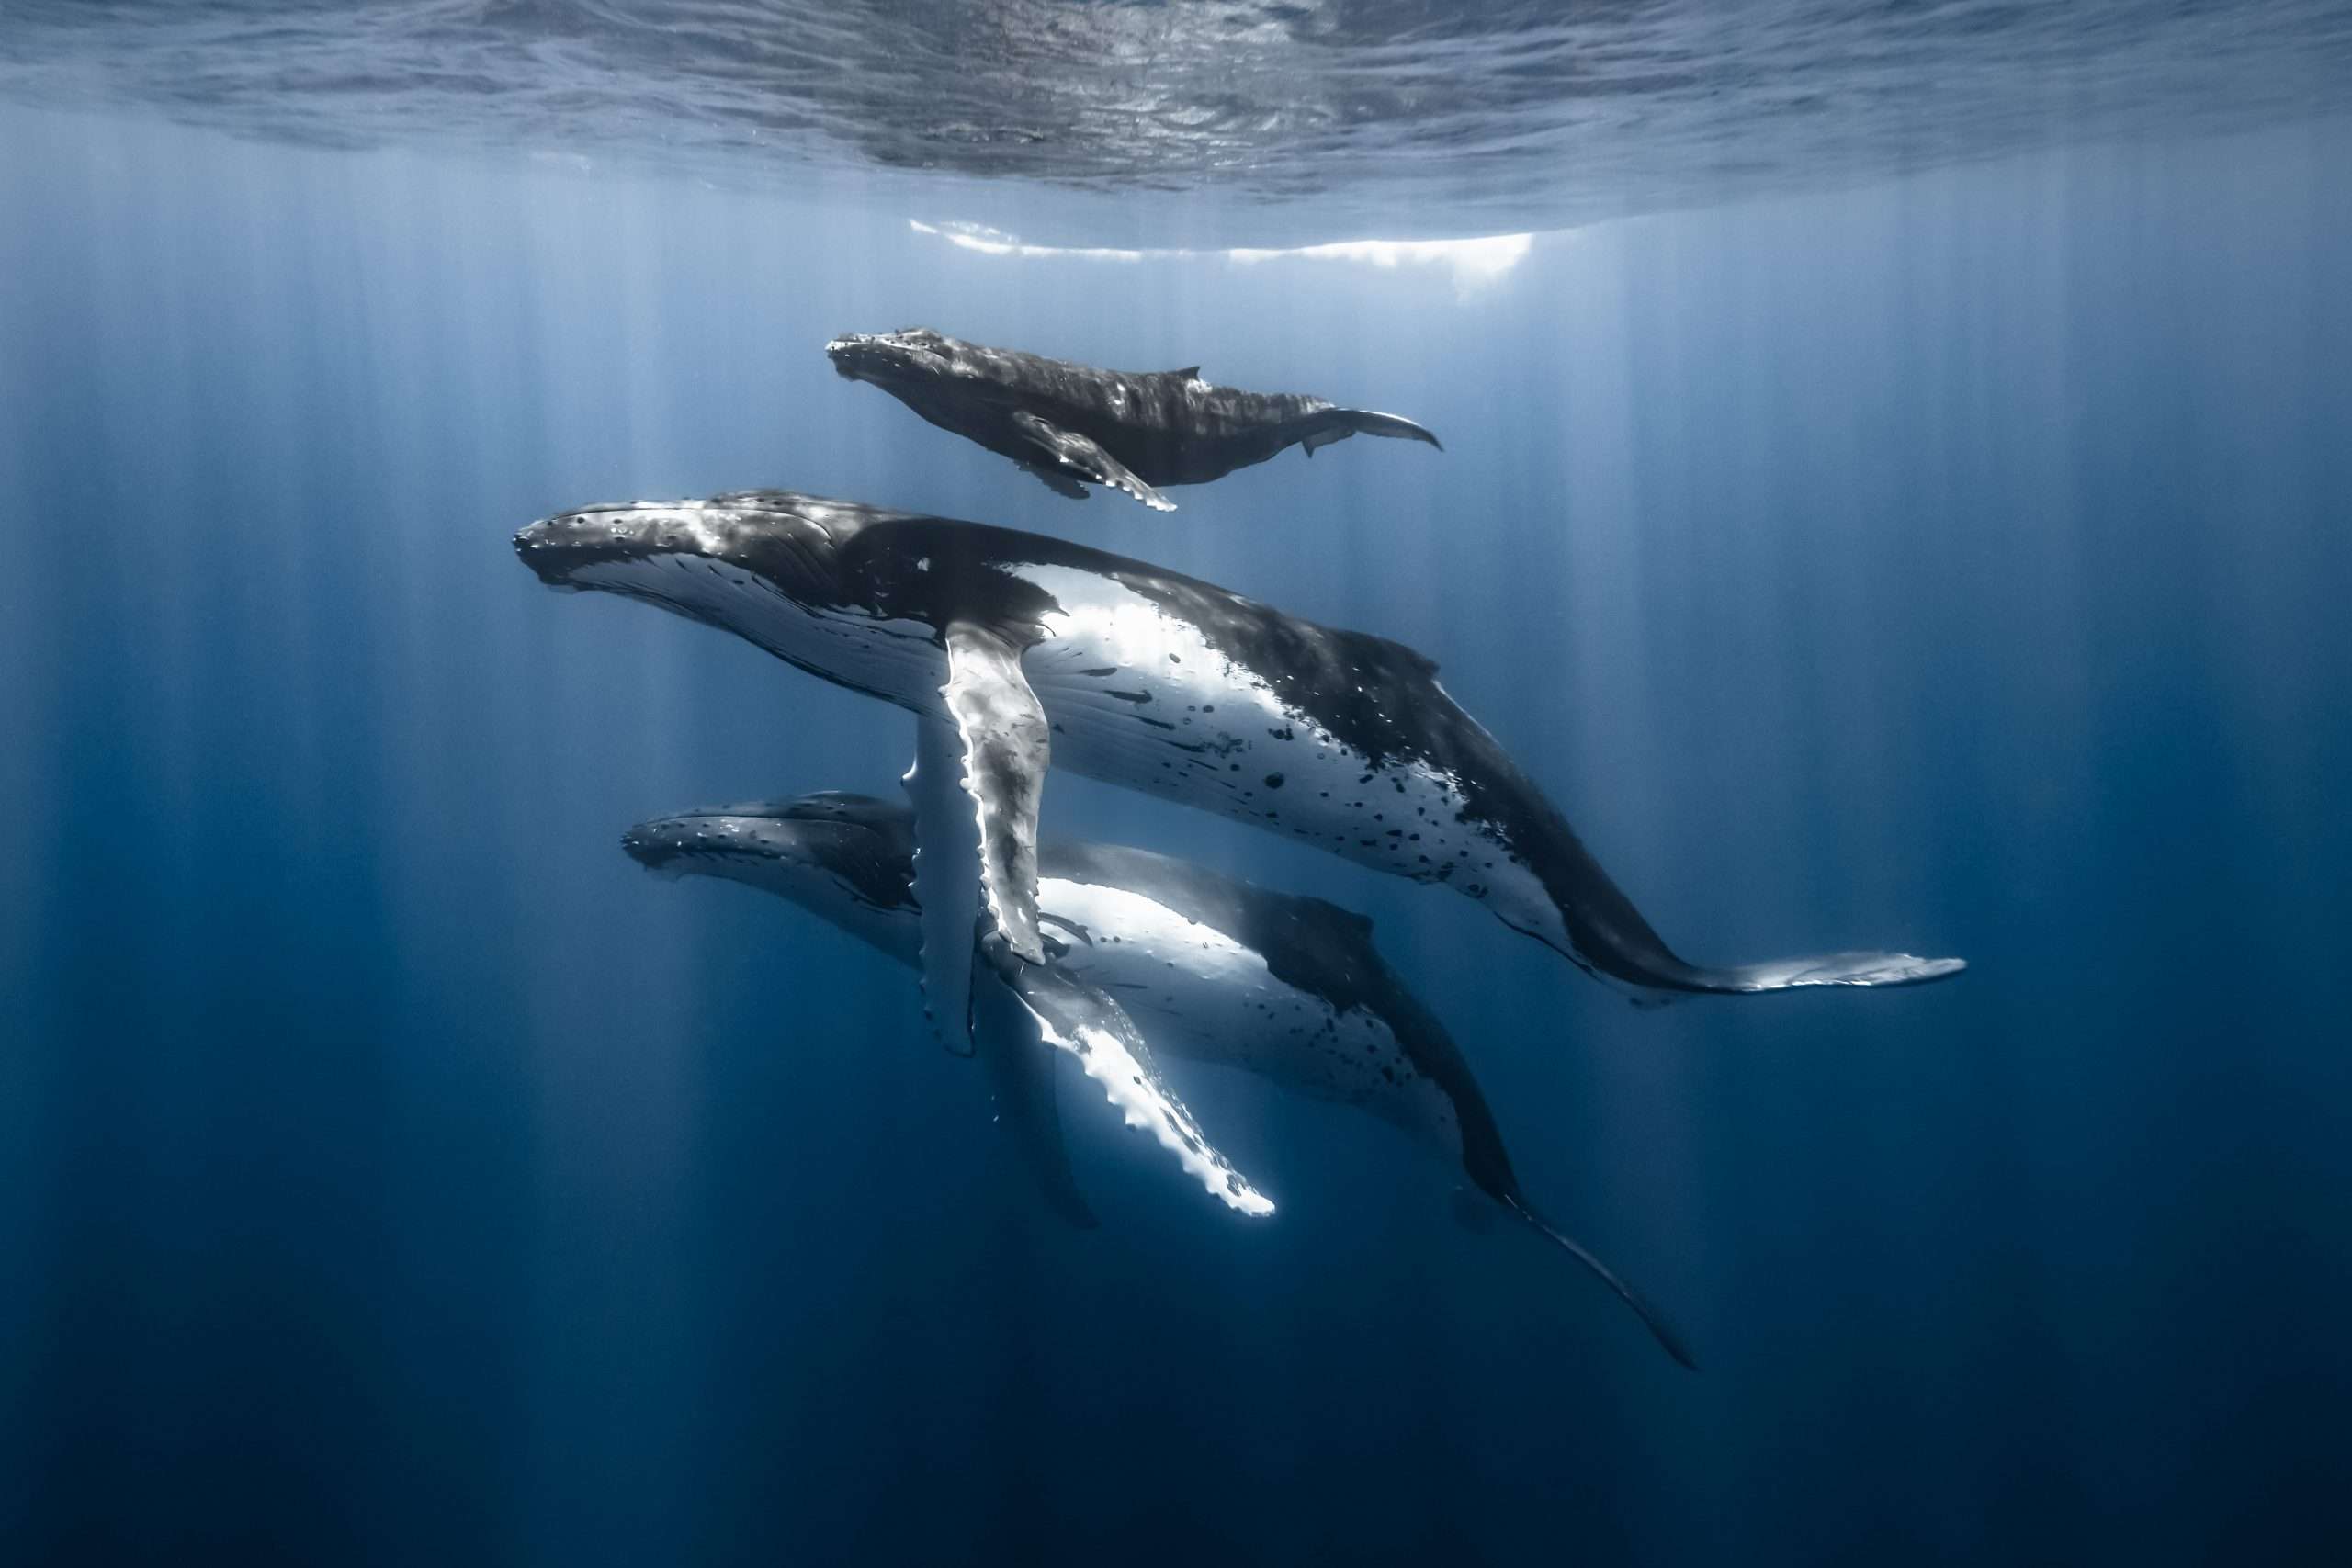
(1075, 1017)
(1002, 728)
(1085, 457)
(1020, 1075)
(947, 878)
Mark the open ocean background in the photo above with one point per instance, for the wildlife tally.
(1951, 555)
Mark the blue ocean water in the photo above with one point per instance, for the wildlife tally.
(391, 1171)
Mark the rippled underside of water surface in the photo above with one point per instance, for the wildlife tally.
(1412, 116)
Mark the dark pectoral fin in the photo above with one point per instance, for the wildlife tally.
(1005, 750)
(1085, 457)
(1075, 1017)
(1055, 481)
(1021, 1075)
(947, 878)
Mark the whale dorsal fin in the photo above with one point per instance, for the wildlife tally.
(1075, 1017)
(1084, 457)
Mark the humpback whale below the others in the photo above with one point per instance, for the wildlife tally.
(1212, 969)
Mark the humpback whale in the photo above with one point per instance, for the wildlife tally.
(1072, 425)
(1023, 650)
(1289, 990)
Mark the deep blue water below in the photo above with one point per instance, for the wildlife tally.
(392, 1172)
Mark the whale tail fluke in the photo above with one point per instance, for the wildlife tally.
(1668, 1338)
(1873, 970)
(1337, 424)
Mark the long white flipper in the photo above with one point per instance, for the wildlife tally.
(1005, 754)
(1075, 1017)
(1082, 455)
(947, 878)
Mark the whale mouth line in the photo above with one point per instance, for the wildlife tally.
(873, 357)
(843, 353)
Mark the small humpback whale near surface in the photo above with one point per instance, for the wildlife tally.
(1288, 989)
(1072, 424)
(1015, 651)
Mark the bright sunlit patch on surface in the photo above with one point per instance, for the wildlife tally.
(1473, 263)
(996, 243)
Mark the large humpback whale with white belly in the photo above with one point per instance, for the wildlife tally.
(1014, 649)
(1290, 990)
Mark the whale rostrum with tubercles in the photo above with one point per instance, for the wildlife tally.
(1028, 650)
(1212, 969)
(1072, 424)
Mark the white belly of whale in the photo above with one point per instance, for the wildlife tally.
(1201, 996)
(1138, 697)
(899, 660)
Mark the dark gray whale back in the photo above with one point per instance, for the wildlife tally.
(1163, 427)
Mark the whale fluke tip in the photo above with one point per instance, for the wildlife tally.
(1395, 426)
(1874, 971)
(1668, 1338)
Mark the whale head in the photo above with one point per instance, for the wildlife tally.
(789, 542)
(907, 358)
(766, 565)
(847, 858)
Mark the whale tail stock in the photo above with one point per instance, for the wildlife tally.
(1669, 1339)
(1601, 933)
(1337, 424)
